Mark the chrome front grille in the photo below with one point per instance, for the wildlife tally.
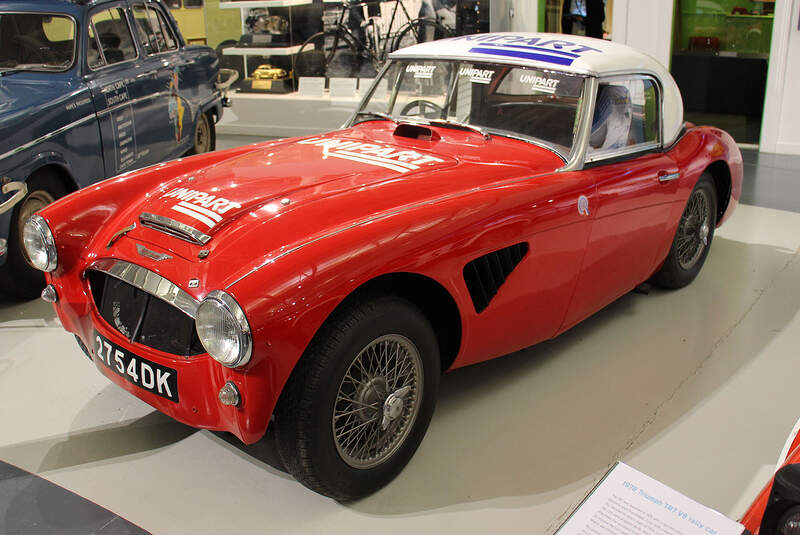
(144, 307)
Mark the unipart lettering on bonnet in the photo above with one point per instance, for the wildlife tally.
(219, 205)
(390, 157)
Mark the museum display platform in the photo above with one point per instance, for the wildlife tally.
(696, 388)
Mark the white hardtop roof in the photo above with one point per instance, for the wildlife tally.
(562, 52)
(571, 53)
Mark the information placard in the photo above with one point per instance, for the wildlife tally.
(342, 87)
(311, 86)
(628, 501)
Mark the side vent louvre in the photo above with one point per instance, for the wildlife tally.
(487, 273)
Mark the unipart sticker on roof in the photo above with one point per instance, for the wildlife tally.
(556, 51)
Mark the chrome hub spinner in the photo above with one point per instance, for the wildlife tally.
(378, 401)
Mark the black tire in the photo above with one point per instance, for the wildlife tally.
(693, 237)
(329, 54)
(205, 135)
(17, 277)
(319, 399)
(419, 31)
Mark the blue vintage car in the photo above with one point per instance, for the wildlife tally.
(90, 89)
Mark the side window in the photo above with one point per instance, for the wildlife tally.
(109, 38)
(626, 116)
(153, 31)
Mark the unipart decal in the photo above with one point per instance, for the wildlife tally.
(401, 161)
(421, 71)
(540, 83)
(558, 51)
(478, 76)
(200, 205)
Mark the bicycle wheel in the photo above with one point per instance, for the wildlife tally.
(419, 31)
(330, 54)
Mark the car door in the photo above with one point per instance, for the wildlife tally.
(161, 50)
(635, 189)
(112, 77)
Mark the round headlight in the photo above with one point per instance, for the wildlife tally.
(223, 329)
(40, 247)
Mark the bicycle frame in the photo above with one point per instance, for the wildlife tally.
(376, 51)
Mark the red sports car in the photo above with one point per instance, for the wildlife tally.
(776, 510)
(489, 192)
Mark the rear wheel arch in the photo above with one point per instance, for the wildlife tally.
(721, 174)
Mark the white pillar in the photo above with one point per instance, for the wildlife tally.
(780, 127)
(514, 15)
(645, 25)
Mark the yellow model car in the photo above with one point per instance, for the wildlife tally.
(268, 72)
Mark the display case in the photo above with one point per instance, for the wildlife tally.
(272, 34)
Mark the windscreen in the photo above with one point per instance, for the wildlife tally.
(36, 41)
(525, 102)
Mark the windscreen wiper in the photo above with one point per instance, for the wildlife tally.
(456, 124)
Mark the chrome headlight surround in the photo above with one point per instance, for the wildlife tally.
(39, 244)
(223, 329)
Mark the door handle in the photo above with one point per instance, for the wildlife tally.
(663, 176)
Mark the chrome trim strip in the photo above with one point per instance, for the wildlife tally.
(173, 228)
(149, 282)
(152, 255)
(669, 177)
(45, 137)
(624, 151)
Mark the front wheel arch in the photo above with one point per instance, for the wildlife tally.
(427, 294)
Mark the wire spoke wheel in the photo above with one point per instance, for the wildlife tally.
(377, 401)
(693, 229)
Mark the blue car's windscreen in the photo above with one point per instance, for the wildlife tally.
(36, 41)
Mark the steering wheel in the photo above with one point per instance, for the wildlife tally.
(424, 108)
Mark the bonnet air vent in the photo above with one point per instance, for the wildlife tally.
(487, 273)
(416, 131)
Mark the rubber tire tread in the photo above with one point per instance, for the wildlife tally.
(294, 414)
(17, 277)
(671, 275)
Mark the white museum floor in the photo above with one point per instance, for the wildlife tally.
(697, 388)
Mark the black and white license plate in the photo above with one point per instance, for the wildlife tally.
(144, 373)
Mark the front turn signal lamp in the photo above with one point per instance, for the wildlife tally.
(223, 329)
(39, 244)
